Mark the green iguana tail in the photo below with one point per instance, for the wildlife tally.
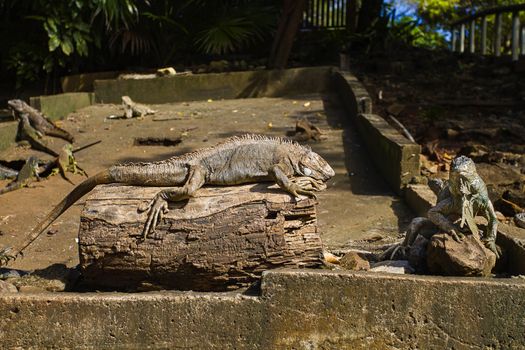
(77, 193)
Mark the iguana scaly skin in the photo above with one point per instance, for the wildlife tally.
(468, 197)
(237, 160)
(26, 175)
(29, 134)
(465, 196)
(38, 120)
(134, 109)
(66, 162)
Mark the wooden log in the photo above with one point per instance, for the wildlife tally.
(223, 238)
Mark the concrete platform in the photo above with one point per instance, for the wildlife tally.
(300, 309)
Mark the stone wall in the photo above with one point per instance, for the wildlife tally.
(297, 309)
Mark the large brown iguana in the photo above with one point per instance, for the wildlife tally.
(237, 160)
(38, 120)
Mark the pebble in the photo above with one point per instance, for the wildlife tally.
(519, 219)
(6, 287)
(12, 273)
(393, 266)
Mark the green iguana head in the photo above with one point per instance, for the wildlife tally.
(462, 172)
(463, 166)
(313, 165)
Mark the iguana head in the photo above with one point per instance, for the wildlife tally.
(17, 106)
(313, 165)
(463, 166)
(462, 170)
(126, 100)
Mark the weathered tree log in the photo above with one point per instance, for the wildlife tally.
(223, 238)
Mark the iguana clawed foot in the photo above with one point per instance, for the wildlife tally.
(5, 258)
(308, 183)
(306, 186)
(156, 209)
(491, 245)
(297, 190)
(395, 252)
(456, 235)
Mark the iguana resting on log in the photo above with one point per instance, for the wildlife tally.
(38, 121)
(237, 160)
(465, 196)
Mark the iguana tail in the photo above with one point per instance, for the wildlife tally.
(77, 193)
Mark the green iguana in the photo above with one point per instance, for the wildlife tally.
(237, 160)
(465, 196)
(66, 162)
(25, 176)
(38, 120)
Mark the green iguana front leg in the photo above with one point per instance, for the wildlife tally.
(492, 229)
(438, 215)
(284, 182)
(158, 206)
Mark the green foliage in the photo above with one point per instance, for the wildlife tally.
(236, 27)
(66, 35)
(411, 31)
(439, 13)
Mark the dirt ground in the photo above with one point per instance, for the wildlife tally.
(457, 105)
(357, 203)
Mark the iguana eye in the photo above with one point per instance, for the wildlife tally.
(307, 171)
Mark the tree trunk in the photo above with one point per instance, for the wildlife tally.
(223, 238)
(289, 22)
(370, 10)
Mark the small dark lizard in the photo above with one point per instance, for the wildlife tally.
(26, 175)
(237, 160)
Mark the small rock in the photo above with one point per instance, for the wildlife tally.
(417, 254)
(469, 257)
(218, 66)
(395, 109)
(393, 266)
(519, 219)
(373, 236)
(331, 258)
(354, 261)
(31, 289)
(6, 287)
(11, 273)
(500, 216)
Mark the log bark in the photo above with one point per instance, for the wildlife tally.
(221, 239)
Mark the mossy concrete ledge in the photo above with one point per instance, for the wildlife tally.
(396, 157)
(297, 309)
(60, 105)
(7, 134)
(263, 83)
